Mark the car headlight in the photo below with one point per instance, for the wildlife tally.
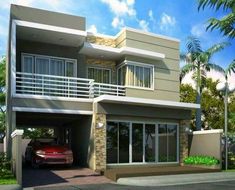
(68, 152)
(40, 152)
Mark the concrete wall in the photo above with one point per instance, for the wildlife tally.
(205, 143)
(47, 17)
(142, 111)
(81, 140)
(51, 104)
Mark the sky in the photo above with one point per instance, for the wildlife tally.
(178, 19)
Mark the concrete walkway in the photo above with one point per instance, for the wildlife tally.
(182, 179)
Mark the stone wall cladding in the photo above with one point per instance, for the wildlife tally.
(183, 140)
(101, 41)
(100, 142)
(92, 62)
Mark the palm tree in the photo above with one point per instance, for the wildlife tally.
(226, 24)
(198, 61)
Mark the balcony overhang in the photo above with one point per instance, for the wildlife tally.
(145, 102)
(105, 52)
(49, 34)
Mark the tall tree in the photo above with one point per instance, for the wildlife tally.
(226, 24)
(198, 61)
(2, 97)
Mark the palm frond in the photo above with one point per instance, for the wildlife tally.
(212, 66)
(216, 48)
(231, 68)
(186, 69)
(217, 4)
(193, 45)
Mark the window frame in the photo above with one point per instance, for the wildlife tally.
(143, 66)
(35, 56)
(155, 123)
(101, 68)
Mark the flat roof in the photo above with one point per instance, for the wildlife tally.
(146, 102)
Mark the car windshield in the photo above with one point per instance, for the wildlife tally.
(43, 142)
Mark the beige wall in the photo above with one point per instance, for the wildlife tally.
(47, 17)
(208, 144)
(51, 104)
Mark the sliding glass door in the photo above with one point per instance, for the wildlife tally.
(139, 142)
(167, 142)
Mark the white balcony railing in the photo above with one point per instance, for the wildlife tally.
(50, 85)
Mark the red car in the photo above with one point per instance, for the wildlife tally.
(47, 151)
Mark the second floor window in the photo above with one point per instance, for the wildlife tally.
(47, 65)
(100, 75)
(136, 75)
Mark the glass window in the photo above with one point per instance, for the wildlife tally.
(100, 75)
(167, 137)
(123, 142)
(150, 143)
(136, 76)
(137, 142)
(48, 65)
(28, 64)
(42, 65)
(112, 142)
(162, 143)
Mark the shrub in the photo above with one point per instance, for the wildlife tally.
(5, 167)
(201, 160)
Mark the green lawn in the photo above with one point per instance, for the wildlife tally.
(229, 170)
(8, 181)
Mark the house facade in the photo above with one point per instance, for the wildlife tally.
(113, 99)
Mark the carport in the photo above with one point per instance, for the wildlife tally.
(71, 129)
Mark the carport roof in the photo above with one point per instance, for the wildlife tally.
(145, 102)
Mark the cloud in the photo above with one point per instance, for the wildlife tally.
(117, 22)
(144, 25)
(198, 30)
(167, 21)
(150, 13)
(121, 10)
(121, 7)
(92, 29)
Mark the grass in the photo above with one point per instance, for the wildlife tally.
(229, 170)
(8, 181)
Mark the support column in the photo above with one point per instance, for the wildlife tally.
(10, 127)
(183, 140)
(17, 154)
(100, 141)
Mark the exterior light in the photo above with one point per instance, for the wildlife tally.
(100, 125)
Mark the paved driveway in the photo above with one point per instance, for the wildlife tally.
(57, 175)
(229, 185)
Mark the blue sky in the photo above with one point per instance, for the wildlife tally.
(178, 19)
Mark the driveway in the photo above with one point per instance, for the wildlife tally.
(57, 175)
(229, 185)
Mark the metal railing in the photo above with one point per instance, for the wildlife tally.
(51, 85)
(108, 89)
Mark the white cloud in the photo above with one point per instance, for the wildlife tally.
(144, 25)
(92, 29)
(117, 22)
(167, 21)
(198, 30)
(121, 7)
(150, 13)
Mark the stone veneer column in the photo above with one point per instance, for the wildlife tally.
(183, 140)
(100, 142)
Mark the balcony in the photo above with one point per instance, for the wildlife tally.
(71, 87)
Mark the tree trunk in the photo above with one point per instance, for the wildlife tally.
(198, 112)
(198, 100)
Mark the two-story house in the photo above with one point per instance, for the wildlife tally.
(114, 99)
